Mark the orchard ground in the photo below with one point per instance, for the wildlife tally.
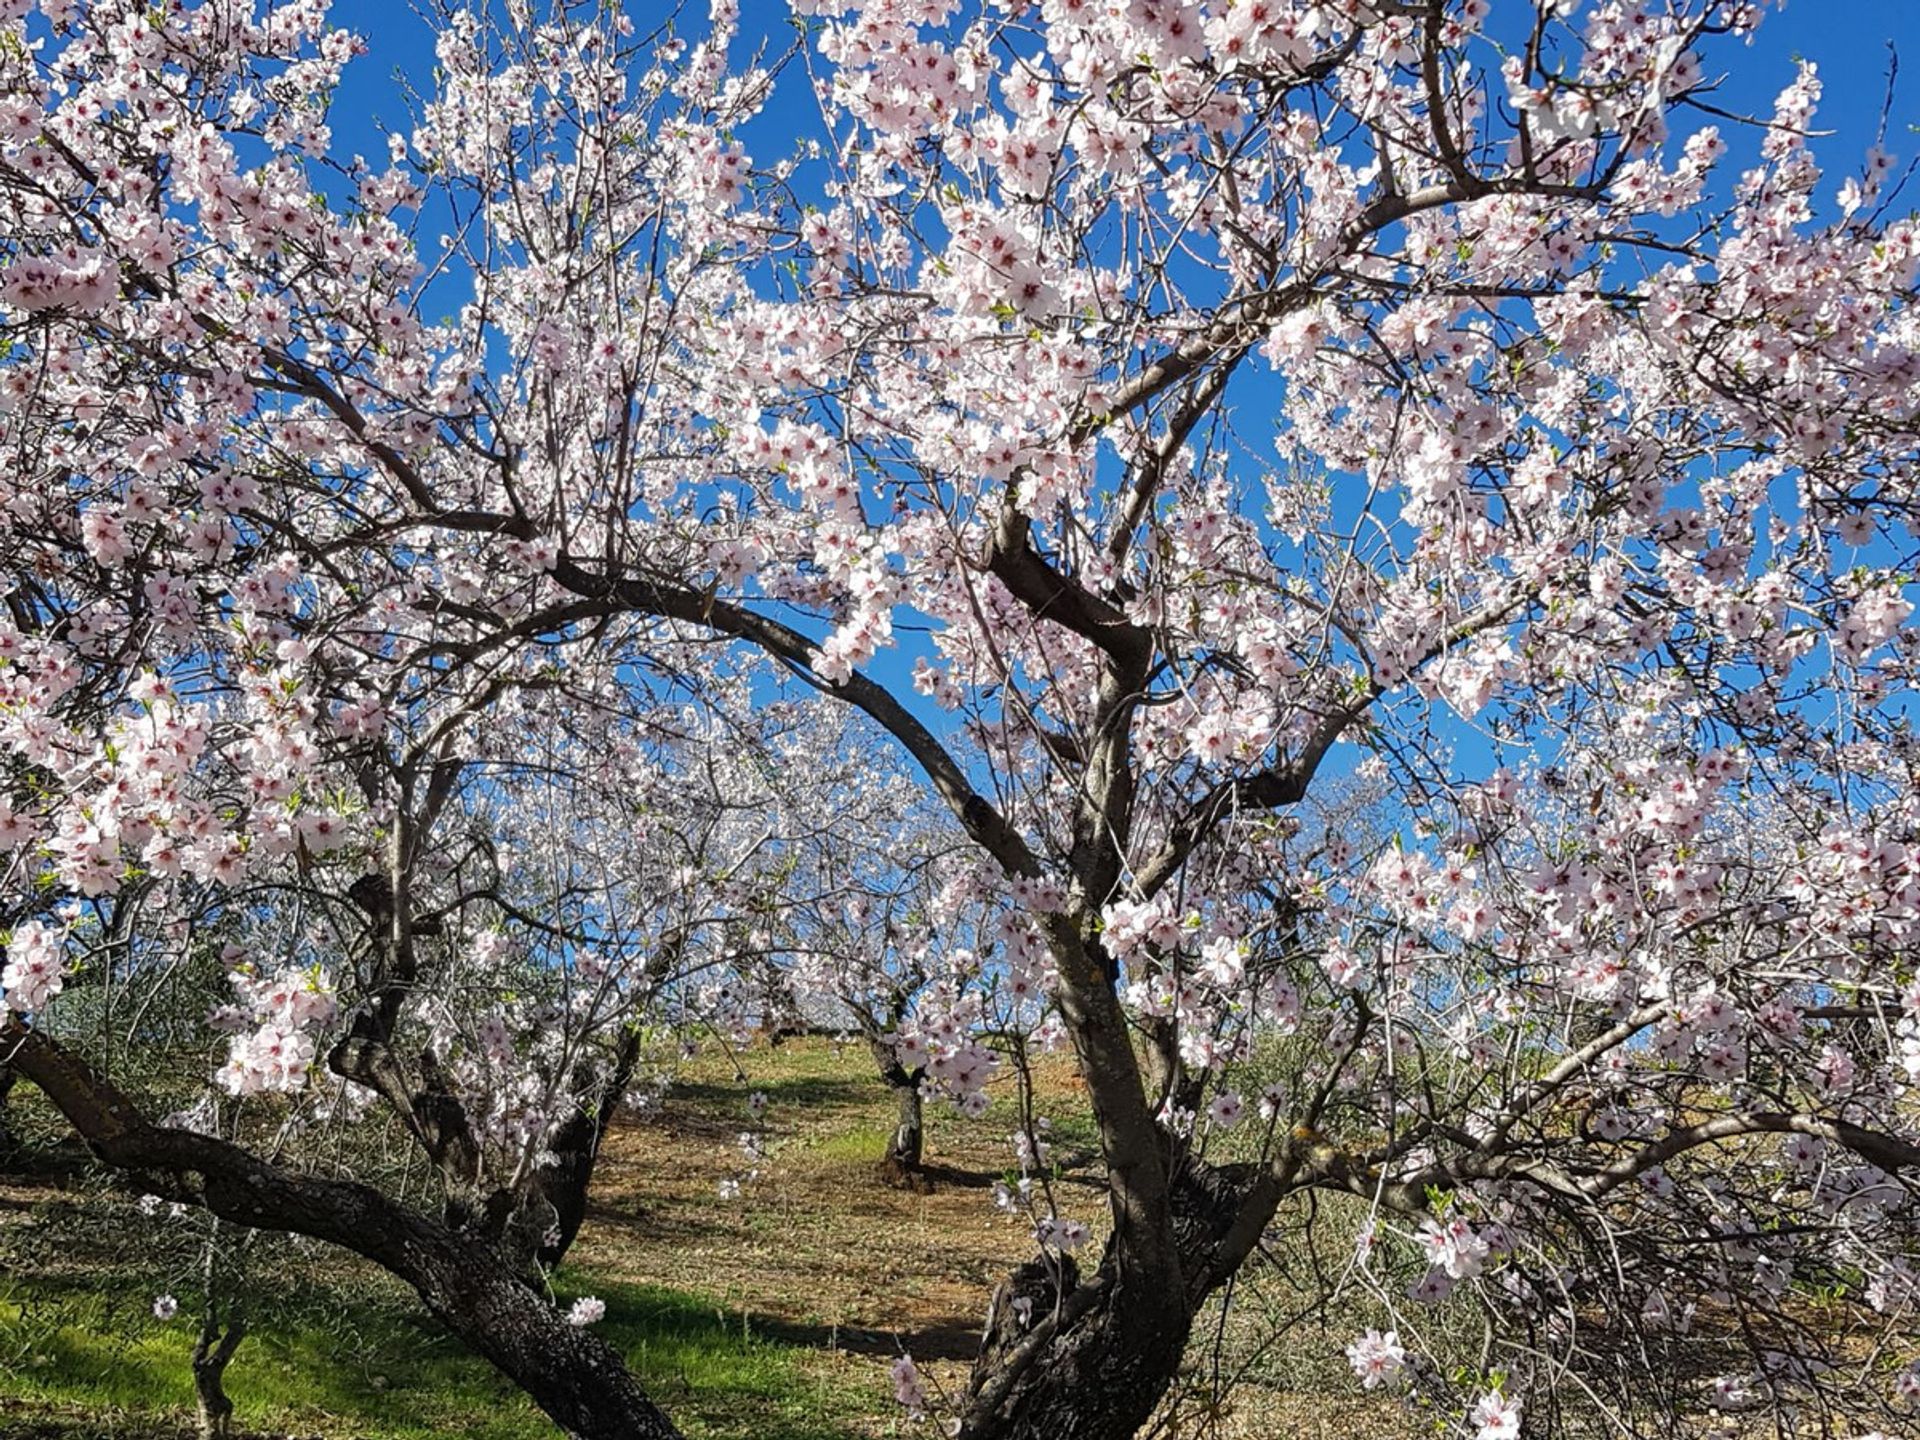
(773, 1316)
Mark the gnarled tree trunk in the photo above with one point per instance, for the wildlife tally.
(904, 1163)
(1085, 1359)
(1091, 1358)
(467, 1281)
(212, 1351)
(563, 1185)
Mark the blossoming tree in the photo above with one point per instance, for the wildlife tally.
(1198, 393)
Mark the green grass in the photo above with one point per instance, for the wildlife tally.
(857, 1142)
(373, 1371)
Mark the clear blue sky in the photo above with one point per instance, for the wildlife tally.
(1848, 39)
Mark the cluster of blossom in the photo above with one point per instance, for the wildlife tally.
(1453, 1248)
(1054, 1233)
(907, 1387)
(1495, 1417)
(505, 1073)
(35, 968)
(75, 277)
(941, 1041)
(273, 1023)
(1426, 893)
(1378, 1358)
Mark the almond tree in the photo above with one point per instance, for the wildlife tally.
(1585, 511)
(889, 918)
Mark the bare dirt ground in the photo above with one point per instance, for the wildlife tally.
(817, 1251)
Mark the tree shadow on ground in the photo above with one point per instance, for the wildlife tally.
(51, 1165)
(812, 1090)
(953, 1339)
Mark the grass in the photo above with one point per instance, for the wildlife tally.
(372, 1370)
(773, 1316)
(857, 1143)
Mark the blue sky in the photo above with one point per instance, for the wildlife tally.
(1848, 39)
(1852, 41)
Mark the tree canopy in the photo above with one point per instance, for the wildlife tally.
(1374, 538)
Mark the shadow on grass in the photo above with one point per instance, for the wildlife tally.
(717, 1371)
(941, 1175)
(795, 1090)
(954, 1339)
(50, 1164)
(375, 1372)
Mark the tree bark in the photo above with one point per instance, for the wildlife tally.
(8, 1141)
(223, 1326)
(468, 1283)
(1091, 1359)
(563, 1185)
(211, 1352)
(904, 1163)
(1168, 1078)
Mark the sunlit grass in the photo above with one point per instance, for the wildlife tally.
(374, 1372)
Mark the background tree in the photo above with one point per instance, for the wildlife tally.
(890, 917)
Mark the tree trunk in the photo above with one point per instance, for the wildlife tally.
(7, 1139)
(904, 1164)
(1083, 1360)
(576, 1148)
(211, 1352)
(465, 1279)
(1169, 1080)
(214, 1346)
(1092, 1359)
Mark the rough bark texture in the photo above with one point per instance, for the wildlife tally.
(1092, 1358)
(465, 1279)
(8, 1142)
(211, 1352)
(563, 1185)
(1169, 1080)
(904, 1164)
(1112, 1351)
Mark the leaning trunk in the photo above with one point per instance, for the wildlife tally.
(469, 1283)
